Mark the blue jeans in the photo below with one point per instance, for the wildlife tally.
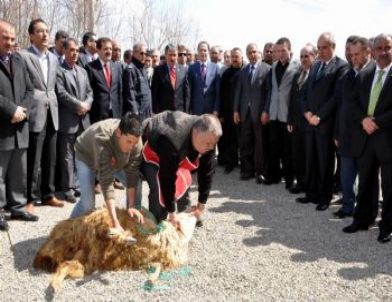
(348, 173)
(86, 178)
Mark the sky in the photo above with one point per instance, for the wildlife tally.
(231, 23)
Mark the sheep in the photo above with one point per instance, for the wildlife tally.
(78, 247)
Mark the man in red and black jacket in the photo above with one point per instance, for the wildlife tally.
(176, 144)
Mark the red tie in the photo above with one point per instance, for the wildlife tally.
(173, 77)
(108, 75)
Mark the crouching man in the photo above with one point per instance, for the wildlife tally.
(176, 144)
(109, 148)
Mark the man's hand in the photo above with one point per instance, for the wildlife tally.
(369, 126)
(174, 221)
(19, 115)
(264, 118)
(198, 210)
(308, 115)
(290, 128)
(83, 108)
(314, 120)
(136, 213)
(216, 113)
(117, 227)
(236, 118)
(336, 142)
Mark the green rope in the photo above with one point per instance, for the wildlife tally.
(160, 227)
(168, 277)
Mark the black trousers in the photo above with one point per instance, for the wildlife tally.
(280, 152)
(228, 144)
(369, 164)
(298, 156)
(41, 163)
(150, 173)
(66, 161)
(251, 146)
(13, 173)
(320, 164)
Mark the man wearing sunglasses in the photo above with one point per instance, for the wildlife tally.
(136, 89)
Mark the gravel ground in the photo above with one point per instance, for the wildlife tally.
(257, 244)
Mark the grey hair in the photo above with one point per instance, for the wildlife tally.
(251, 45)
(138, 46)
(381, 37)
(208, 123)
(330, 37)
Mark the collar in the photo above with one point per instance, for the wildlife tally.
(174, 66)
(40, 54)
(329, 61)
(67, 66)
(88, 53)
(6, 56)
(205, 63)
(137, 63)
(103, 63)
(386, 69)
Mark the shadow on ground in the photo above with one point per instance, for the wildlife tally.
(315, 234)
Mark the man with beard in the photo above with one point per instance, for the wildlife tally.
(228, 144)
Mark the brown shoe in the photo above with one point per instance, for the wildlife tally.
(118, 185)
(30, 208)
(53, 202)
(98, 189)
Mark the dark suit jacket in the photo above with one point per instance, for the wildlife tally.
(343, 123)
(204, 95)
(321, 95)
(70, 93)
(104, 96)
(255, 94)
(381, 138)
(44, 94)
(295, 116)
(164, 97)
(137, 92)
(15, 90)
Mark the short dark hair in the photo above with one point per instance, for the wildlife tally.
(87, 36)
(67, 41)
(170, 46)
(33, 23)
(127, 54)
(203, 42)
(130, 123)
(284, 40)
(351, 39)
(61, 34)
(103, 40)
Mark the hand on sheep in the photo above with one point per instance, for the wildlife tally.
(136, 213)
(175, 221)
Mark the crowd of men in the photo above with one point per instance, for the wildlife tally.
(315, 124)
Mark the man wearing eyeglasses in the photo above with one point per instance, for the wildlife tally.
(182, 55)
(136, 88)
(170, 88)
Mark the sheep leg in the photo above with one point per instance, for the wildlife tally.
(155, 275)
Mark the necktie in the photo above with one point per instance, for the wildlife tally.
(251, 72)
(302, 78)
(173, 77)
(321, 71)
(375, 93)
(108, 75)
(203, 71)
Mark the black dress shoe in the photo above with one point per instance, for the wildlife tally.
(288, 185)
(24, 216)
(228, 170)
(355, 227)
(296, 189)
(3, 223)
(340, 214)
(77, 193)
(70, 198)
(199, 223)
(303, 200)
(260, 179)
(246, 176)
(322, 207)
(384, 236)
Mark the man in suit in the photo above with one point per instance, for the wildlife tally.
(228, 144)
(372, 118)
(275, 114)
(204, 83)
(267, 53)
(295, 119)
(89, 50)
(42, 68)
(15, 92)
(106, 83)
(250, 99)
(182, 59)
(75, 97)
(170, 89)
(137, 92)
(58, 49)
(319, 110)
(359, 57)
